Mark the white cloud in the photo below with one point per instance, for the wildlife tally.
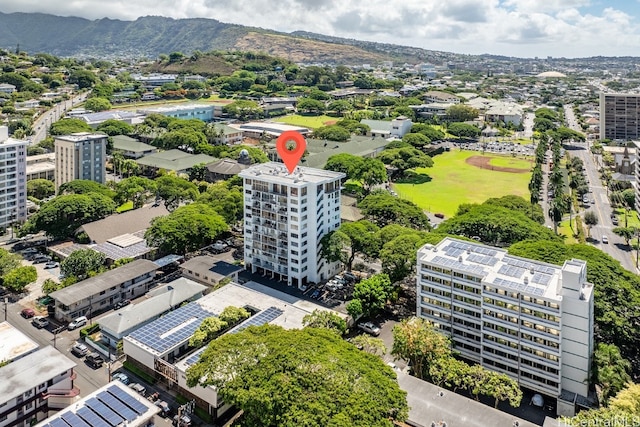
(510, 27)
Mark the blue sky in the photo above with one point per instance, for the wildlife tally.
(522, 28)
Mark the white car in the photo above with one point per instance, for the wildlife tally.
(369, 328)
(77, 322)
(605, 239)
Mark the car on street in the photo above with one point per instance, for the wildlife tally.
(605, 239)
(77, 323)
(122, 377)
(79, 349)
(369, 328)
(51, 264)
(94, 360)
(614, 220)
(28, 313)
(122, 303)
(40, 322)
(138, 388)
(165, 410)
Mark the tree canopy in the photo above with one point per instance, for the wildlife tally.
(82, 263)
(382, 209)
(186, 229)
(300, 377)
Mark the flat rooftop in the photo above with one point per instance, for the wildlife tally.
(13, 343)
(80, 136)
(277, 173)
(495, 266)
(28, 372)
(115, 404)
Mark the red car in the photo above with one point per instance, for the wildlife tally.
(28, 313)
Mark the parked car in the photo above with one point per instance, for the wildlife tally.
(165, 410)
(29, 251)
(138, 388)
(315, 294)
(122, 303)
(77, 323)
(28, 313)
(51, 264)
(79, 349)
(350, 276)
(614, 220)
(122, 377)
(94, 360)
(369, 328)
(40, 322)
(39, 259)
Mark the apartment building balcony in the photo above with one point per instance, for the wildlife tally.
(61, 398)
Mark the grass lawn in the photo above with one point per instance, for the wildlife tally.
(312, 122)
(565, 230)
(451, 181)
(632, 218)
(127, 206)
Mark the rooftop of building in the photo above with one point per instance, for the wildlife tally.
(211, 267)
(157, 301)
(277, 173)
(431, 405)
(114, 404)
(102, 282)
(80, 136)
(271, 128)
(32, 370)
(320, 149)
(175, 328)
(124, 223)
(176, 107)
(495, 266)
(13, 343)
(226, 167)
(174, 160)
(126, 143)
(102, 116)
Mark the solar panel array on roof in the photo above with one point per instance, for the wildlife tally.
(453, 251)
(530, 266)
(510, 284)
(511, 271)
(482, 259)
(448, 262)
(109, 408)
(262, 318)
(127, 399)
(541, 278)
(172, 329)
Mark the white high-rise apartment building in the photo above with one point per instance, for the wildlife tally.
(530, 320)
(13, 179)
(80, 156)
(285, 216)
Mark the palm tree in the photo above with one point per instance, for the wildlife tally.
(556, 209)
(611, 370)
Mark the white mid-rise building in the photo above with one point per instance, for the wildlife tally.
(80, 156)
(13, 179)
(285, 216)
(530, 320)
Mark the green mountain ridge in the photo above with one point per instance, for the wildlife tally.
(151, 36)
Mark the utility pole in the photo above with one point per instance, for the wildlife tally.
(6, 302)
(55, 334)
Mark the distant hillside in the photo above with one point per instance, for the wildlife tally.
(151, 36)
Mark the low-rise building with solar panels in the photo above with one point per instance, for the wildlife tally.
(115, 404)
(530, 320)
(161, 348)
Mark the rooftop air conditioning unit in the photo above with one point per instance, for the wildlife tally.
(526, 280)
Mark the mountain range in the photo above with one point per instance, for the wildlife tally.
(151, 36)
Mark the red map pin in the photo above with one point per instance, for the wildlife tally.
(291, 146)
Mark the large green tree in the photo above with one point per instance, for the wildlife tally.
(349, 240)
(174, 190)
(610, 370)
(188, 228)
(308, 377)
(373, 293)
(40, 188)
(383, 209)
(18, 278)
(8, 261)
(85, 186)
(325, 319)
(63, 215)
(69, 126)
(137, 189)
(82, 263)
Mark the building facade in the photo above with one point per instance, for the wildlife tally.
(13, 179)
(285, 216)
(35, 384)
(619, 116)
(530, 320)
(80, 156)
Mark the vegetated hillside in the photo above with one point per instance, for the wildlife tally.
(219, 63)
(151, 36)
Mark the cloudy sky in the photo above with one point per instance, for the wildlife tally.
(523, 28)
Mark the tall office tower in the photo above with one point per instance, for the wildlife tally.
(619, 116)
(285, 216)
(530, 320)
(13, 179)
(80, 156)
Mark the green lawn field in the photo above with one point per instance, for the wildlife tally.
(451, 181)
(312, 122)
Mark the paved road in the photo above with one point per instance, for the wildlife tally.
(42, 124)
(599, 201)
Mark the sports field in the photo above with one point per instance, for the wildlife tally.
(312, 122)
(466, 177)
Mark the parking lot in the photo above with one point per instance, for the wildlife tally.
(498, 147)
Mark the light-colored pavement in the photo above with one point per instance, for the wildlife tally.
(43, 122)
